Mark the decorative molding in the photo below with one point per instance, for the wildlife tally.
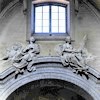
(93, 10)
(49, 72)
(44, 1)
(45, 62)
(12, 4)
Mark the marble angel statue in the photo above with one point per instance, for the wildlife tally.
(12, 52)
(29, 54)
(21, 57)
(75, 58)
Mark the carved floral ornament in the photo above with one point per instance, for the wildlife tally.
(23, 58)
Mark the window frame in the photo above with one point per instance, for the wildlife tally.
(49, 35)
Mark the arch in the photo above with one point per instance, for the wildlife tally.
(31, 20)
(57, 1)
(50, 72)
(10, 5)
(55, 87)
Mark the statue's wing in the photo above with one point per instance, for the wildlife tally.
(12, 52)
(37, 48)
(58, 49)
(8, 50)
(90, 57)
(83, 43)
(85, 54)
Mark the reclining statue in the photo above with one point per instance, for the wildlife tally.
(22, 57)
(75, 58)
(26, 56)
(71, 56)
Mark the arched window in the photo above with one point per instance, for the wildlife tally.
(49, 18)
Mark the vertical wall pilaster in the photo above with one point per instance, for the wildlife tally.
(0, 5)
(28, 19)
(72, 19)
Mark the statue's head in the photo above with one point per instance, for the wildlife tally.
(16, 46)
(32, 39)
(68, 39)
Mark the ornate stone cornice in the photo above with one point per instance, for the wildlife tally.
(49, 70)
(46, 62)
